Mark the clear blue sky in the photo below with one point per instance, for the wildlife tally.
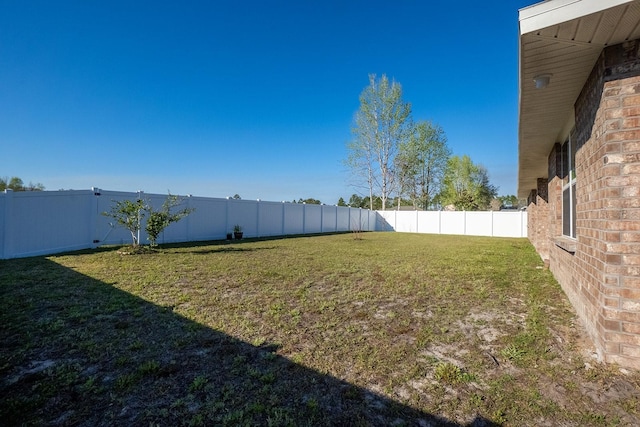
(214, 98)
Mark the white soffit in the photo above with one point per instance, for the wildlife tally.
(563, 38)
(555, 12)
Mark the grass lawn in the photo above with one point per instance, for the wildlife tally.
(389, 329)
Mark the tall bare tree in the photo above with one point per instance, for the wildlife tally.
(382, 123)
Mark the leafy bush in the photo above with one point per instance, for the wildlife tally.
(129, 214)
(159, 220)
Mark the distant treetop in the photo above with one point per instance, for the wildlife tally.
(16, 184)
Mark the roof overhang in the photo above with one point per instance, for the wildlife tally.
(561, 38)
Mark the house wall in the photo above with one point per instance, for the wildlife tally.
(538, 224)
(600, 270)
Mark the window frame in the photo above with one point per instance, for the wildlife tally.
(568, 154)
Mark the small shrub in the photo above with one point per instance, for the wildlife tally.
(161, 219)
(512, 352)
(198, 383)
(129, 215)
(149, 367)
(448, 373)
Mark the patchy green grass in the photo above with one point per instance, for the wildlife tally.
(386, 329)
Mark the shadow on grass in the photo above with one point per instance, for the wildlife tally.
(77, 351)
(245, 239)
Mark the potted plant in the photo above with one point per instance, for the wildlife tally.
(229, 236)
(237, 232)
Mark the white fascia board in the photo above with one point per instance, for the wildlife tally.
(554, 12)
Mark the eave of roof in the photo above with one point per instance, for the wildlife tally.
(563, 38)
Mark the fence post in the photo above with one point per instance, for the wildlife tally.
(226, 216)
(464, 222)
(304, 217)
(491, 223)
(93, 217)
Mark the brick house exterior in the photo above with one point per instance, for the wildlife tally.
(584, 194)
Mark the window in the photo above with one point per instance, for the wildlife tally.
(568, 175)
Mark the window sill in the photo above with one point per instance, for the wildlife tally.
(566, 243)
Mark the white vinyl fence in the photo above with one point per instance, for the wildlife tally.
(47, 222)
(491, 223)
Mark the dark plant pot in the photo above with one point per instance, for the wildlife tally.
(237, 235)
(229, 236)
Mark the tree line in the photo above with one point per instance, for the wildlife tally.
(393, 157)
(16, 184)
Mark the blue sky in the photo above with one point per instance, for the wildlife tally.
(214, 98)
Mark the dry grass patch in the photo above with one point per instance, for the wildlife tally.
(387, 329)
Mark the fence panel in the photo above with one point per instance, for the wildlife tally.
(38, 223)
(209, 219)
(361, 221)
(453, 222)
(479, 224)
(343, 218)
(245, 214)
(499, 224)
(312, 219)
(293, 218)
(329, 217)
(507, 224)
(429, 222)
(271, 219)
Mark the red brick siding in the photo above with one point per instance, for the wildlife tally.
(538, 221)
(602, 277)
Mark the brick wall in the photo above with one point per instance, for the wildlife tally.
(609, 246)
(601, 273)
(538, 219)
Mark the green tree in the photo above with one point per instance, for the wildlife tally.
(341, 202)
(382, 123)
(421, 163)
(466, 185)
(158, 220)
(373, 204)
(310, 201)
(128, 214)
(355, 201)
(34, 187)
(509, 201)
(16, 184)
